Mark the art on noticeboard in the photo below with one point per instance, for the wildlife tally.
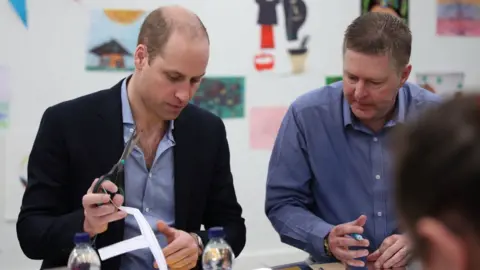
(441, 83)
(398, 8)
(223, 96)
(4, 97)
(458, 18)
(112, 39)
(264, 125)
(294, 15)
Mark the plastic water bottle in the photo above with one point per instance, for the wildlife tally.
(218, 254)
(83, 256)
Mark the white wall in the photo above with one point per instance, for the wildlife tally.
(47, 63)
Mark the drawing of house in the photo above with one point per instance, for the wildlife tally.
(111, 55)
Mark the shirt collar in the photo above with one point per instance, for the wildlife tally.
(127, 111)
(399, 114)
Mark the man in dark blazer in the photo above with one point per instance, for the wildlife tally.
(178, 175)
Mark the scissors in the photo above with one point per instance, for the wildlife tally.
(115, 174)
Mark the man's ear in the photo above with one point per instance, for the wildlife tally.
(140, 57)
(405, 73)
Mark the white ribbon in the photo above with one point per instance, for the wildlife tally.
(146, 239)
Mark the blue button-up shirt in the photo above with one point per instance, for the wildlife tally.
(152, 192)
(326, 169)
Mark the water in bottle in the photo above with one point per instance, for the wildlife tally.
(218, 254)
(83, 256)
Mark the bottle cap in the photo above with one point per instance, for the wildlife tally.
(81, 238)
(216, 232)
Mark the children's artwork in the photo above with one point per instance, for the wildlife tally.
(332, 79)
(20, 7)
(398, 8)
(458, 17)
(295, 15)
(4, 98)
(441, 83)
(113, 38)
(223, 96)
(264, 125)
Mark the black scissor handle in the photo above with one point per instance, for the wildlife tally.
(97, 188)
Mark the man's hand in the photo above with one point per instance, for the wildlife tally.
(182, 250)
(98, 217)
(393, 252)
(339, 242)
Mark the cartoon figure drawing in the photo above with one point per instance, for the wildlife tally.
(295, 14)
(267, 19)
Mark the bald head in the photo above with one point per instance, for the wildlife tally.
(161, 23)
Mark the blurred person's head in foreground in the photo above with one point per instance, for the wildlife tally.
(437, 184)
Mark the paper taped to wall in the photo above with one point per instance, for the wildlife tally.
(441, 83)
(264, 125)
(146, 239)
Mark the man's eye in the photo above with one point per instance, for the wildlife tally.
(174, 78)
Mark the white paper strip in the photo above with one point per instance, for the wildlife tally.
(125, 246)
(146, 239)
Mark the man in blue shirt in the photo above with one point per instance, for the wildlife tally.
(330, 173)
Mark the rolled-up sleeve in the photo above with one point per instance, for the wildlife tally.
(288, 193)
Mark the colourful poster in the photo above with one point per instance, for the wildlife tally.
(223, 96)
(4, 98)
(396, 7)
(441, 83)
(458, 17)
(294, 17)
(264, 125)
(112, 39)
(332, 79)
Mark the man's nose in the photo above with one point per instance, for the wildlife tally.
(183, 95)
(360, 90)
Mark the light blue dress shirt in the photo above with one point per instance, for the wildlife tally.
(152, 192)
(326, 168)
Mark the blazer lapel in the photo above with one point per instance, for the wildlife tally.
(182, 165)
(111, 141)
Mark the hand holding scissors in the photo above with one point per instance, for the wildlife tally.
(105, 195)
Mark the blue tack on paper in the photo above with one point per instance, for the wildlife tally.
(20, 7)
(356, 236)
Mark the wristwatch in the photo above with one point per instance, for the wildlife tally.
(199, 241)
(326, 246)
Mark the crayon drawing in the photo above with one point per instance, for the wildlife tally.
(398, 8)
(441, 83)
(458, 17)
(264, 125)
(4, 98)
(112, 39)
(223, 96)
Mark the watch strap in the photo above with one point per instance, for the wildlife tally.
(326, 246)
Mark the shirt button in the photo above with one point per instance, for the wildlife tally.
(377, 176)
(131, 130)
(147, 209)
(150, 175)
(379, 214)
(375, 139)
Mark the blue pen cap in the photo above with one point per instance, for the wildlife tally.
(81, 238)
(216, 232)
